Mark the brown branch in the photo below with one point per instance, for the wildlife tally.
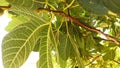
(94, 59)
(118, 34)
(75, 21)
(105, 40)
(82, 24)
(5, 7)
(116, 62)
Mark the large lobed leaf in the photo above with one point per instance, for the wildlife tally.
(18, 44)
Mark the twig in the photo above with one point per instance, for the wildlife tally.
(94, 59)
(5, 7)
(75, 21)
(116, 62)
(105, 40)
(81, 24)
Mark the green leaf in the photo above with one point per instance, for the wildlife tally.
(100, 7)
(64, 49)
(3, 3)
(37, 46)
(45, 60)
(112, 5)
(18, 44)
(63, 63)
(110, 55)
(63, 46)
(16, 20)
(93, 6)
(75, 46)
(24, 3)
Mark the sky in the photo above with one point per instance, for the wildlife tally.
(32, 59)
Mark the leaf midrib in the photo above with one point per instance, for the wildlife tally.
(26, 42)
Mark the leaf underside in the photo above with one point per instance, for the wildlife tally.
(18, 44)
(60, 42)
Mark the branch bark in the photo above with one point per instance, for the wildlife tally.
(76, 21)
(116, 62)
(95, 58)
(5, 7)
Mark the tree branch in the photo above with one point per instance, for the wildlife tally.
(5, 7)
(94, 59)
(75, 21)
(81, 24)
(116, 62)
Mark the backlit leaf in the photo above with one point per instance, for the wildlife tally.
(45, 60)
